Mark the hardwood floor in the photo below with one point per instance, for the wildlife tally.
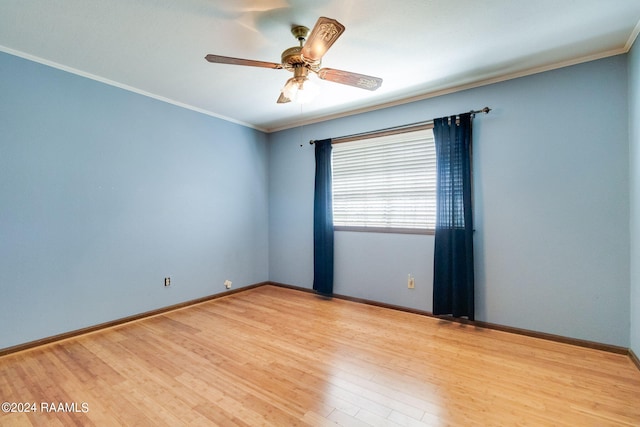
(281, 357)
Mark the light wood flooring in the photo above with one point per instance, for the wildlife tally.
(280, 357)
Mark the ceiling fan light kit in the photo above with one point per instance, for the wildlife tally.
(300, 60)
(299, 88)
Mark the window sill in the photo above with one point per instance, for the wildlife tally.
(384, 230)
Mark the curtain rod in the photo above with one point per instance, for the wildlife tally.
(394, 128)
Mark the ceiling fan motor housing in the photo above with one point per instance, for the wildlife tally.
(292, 58)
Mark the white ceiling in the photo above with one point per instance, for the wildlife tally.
(419, 47)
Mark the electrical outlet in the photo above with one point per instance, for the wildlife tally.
(411, 282)
(227, 284)
(167, 281)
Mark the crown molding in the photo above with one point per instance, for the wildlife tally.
(632, 37)
(128, 88)
(457, 88)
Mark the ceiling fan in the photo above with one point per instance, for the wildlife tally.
(307, 57)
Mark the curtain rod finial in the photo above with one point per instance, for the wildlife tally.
(311, 142)
(484, 110)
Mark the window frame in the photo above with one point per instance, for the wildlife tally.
(377, 134)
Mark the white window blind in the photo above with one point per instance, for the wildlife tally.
(386, 182)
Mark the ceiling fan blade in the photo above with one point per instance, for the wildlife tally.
(283, 99)
(237, 61)
(324, 34)
(348, 78)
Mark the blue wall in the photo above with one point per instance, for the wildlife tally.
(105, 192)
(551, 197)
(634, 144)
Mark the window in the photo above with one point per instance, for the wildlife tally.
(386, 183)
